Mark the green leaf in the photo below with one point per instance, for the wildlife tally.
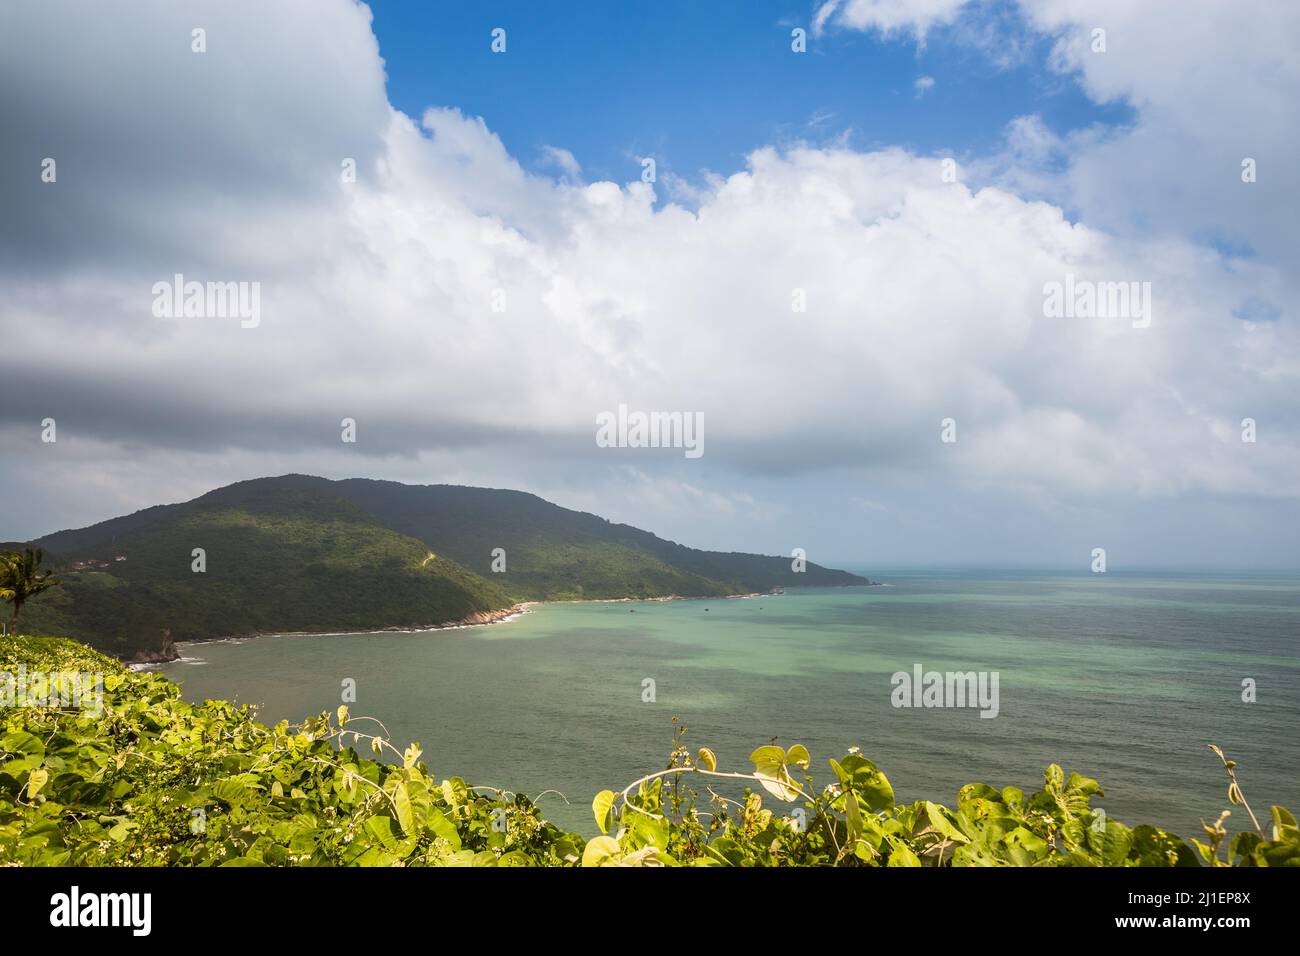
(381, 828)
(36, 781)
(853, 815)
(798, 756)
(769, 767)
(1112, 846)
(21, 742)
(599, 851)
(603, 807)
(648, 831)
(861, 775)
(405, 816)
(768, 760)
(902, 855)
(411, 755)
(444, 828)
(1284, 826)
(938, 819)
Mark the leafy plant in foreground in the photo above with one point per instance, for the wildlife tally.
(151, 779)
(854, 820)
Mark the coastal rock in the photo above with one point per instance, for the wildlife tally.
(161, 655)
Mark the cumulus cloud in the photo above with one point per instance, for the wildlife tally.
(1211, 87)
(467, 312)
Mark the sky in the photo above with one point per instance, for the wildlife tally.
(856, 212)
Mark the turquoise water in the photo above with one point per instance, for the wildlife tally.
(1122, 677)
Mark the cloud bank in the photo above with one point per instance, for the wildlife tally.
(825, 309)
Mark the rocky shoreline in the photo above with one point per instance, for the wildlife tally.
(170, 651)
(162, 655)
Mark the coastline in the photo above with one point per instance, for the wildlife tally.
(477, 619)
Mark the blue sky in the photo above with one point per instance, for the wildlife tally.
(614, 81)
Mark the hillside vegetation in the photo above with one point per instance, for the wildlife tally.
(147, 779)
(282, 560)
(298, 553)
(554, 553)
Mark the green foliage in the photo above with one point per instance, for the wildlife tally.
(153, 780)
(150, 779)
(288, 561)
(557, 554)
(854, 821)
(21, 577)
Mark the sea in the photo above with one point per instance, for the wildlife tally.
(1124, 677)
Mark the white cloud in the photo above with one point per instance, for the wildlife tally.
(887, 16)
(563, 160)
(924, 298)
(1211, 86)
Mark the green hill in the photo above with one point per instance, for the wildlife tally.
(554, 553)
(298, 553)
(277, 559)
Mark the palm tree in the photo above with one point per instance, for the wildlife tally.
(21, 578)
(6, 592)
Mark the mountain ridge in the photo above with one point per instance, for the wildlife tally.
(307, 554)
